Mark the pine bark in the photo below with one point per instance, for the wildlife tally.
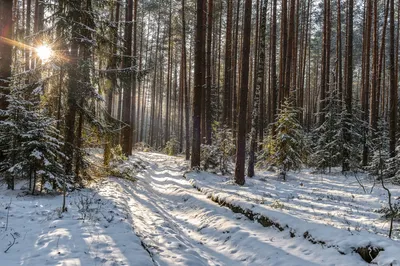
(198, 84)
(209, 74)
(227, 106)
(259, 82)
(241, 135)
(349, 82)
(127, 94)
(392, 84)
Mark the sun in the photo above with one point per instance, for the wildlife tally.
(44, 52)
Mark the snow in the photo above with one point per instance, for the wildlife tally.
(158, 218)
(43, 238)
(333, 209)
(181, 226)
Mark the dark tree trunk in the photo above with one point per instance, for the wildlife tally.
(226, 114)
(393, 85)
(349, 83)
(73, 92)
(282, 50)
(241, 136)
(198, 84)
(132, 137)
(274, 79)
(169, 66)
(5, 50)
(184, 79)
(366, 82)
(209, 74)
(259, 82)
(127, 97)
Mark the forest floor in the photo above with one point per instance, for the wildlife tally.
(160, 219)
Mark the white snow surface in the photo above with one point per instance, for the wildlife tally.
(163, 213)
(331, 208)
(181, 226)
(44, 236)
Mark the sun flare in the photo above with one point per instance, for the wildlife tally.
(44, 52)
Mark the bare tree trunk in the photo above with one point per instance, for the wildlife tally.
(259, 81)
(366, 76)
(226, 114)
(127, 97)
(393, 85)
(198, 83)
(349, 82)
(132, 138)
(273, 84)
(209, 74)
(241, 136)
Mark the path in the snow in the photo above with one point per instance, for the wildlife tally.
(180, 226)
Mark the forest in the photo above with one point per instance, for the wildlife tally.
(233, 97)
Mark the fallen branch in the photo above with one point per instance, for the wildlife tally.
(11, 244)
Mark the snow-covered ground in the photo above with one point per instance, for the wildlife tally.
(333, 209)
(334, 200)
(96, 230)
(162, 220)
(181, 226)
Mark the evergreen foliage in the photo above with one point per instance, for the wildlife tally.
(287, 147)
(328, 137)
(218, 155)
(30, 141)
(172, 146)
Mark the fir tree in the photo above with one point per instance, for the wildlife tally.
(30, 140)
(327, 151)
(288, 145)
(354, 146)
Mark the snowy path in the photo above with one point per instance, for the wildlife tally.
(180, 226)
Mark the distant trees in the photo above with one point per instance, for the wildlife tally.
(135, 73)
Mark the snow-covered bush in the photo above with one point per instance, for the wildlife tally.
(172, 146)
(218, 155)
(117, 155)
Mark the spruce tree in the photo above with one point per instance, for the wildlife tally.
(30, 140)
(327, 151)
(288, 147)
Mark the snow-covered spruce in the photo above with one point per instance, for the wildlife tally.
(30, 141)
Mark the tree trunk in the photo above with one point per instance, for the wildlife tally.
(259, 81)
(274, 79)
(209, 74)
(198, 84)
(5, 51)
(226, 114)
(73, 93)
(132, 137)
(127, 97)
(393, 85)
(241, 136)
(349, 83)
